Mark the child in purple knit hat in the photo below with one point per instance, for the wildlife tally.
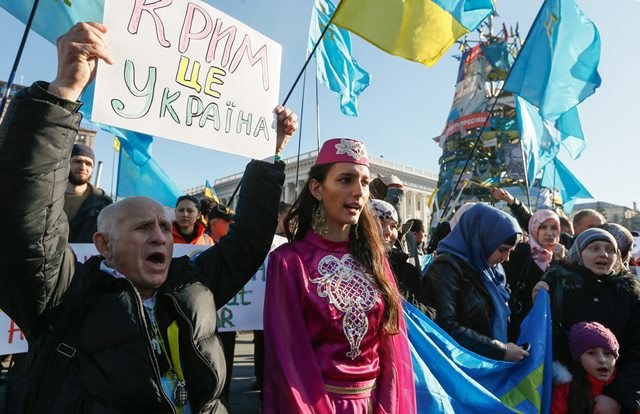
(594, 350)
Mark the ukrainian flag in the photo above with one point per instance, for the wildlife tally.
(209, 192)
(418, 30)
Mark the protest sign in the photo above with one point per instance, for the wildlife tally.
(243, 312)
(190, 73)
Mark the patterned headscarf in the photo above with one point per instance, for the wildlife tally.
(541, 256)
(383, 210)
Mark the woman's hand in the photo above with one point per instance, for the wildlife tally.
(515, 353)
(606, 405)
(559, 251)
(502, 195)
(538, 286)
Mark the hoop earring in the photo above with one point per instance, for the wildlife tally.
(319, 221)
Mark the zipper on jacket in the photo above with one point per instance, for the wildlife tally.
(195, 349)
(156, 368)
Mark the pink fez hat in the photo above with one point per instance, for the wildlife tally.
(343, 150)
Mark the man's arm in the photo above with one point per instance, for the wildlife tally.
(35, 146)
(228, 266)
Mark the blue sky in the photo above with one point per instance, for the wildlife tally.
(405, 105)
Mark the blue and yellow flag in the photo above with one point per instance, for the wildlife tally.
(557, 68)
(451, 379)
(336, 68)
(420, 30)
(209, 192)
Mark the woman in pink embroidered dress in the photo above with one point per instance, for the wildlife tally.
(335, 339)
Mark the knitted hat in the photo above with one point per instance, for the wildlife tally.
(586, 238)
(343, 150)
(383, 210)
(84, 150)
(584, 336)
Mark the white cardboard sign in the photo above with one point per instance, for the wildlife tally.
(187, 72)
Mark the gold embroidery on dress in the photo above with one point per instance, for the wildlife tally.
(352, 291)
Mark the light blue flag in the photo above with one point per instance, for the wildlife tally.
(140, 175)
(557, 176)
(451, 379)
(336, 68)
(557, 67)
(54, 17)
(541, 139)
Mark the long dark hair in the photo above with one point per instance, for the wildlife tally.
(365, 243)
(581, 398)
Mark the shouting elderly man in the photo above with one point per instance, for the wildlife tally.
(133, 330)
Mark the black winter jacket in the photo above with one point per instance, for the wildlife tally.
(84, 224)
(409, 280)
(462, 304)
(579, 295)
(56, 300)
(522, 275)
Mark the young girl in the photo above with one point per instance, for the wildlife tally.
(594, 350)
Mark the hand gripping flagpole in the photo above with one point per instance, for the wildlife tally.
(14, 69)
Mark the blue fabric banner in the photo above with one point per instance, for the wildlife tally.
(451, 379)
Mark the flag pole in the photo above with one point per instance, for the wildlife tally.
(16, 62)
(304, 85)
(313, 51)
(484, 125)
(525, 169)
(317, 116)
(114, 193)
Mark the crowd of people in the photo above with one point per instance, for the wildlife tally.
(134, 328)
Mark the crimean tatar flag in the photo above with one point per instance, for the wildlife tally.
(557, 68)
(419, 30)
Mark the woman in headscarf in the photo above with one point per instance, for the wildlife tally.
(333, 325)
(407, 275)
(466, 285)
(529, 261)
(188, 227)
(593, 286)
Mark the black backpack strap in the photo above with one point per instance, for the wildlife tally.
(60, 348)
